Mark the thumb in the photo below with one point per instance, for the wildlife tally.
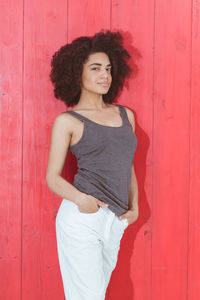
(102, 204)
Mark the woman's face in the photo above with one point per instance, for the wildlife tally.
(96, 75)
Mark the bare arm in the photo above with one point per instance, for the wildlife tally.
(133, 194)
(60, 140)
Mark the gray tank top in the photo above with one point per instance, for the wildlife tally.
(105, 158)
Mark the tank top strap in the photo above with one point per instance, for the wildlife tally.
(77, 115)
(122, 110)
(123, 114)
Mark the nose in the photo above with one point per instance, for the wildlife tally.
(104, 73)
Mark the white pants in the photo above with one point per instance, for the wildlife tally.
(88, 246)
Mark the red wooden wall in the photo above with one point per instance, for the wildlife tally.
(159, 255)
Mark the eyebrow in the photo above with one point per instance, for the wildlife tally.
(99, 64)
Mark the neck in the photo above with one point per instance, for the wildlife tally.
(91, 101)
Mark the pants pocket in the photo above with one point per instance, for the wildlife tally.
(87, 214)
(125, 222)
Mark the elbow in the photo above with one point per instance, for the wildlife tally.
(49, 180)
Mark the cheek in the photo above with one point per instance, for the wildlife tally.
(90, 79)
(89, 83)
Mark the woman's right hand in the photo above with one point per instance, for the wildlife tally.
(89, 204)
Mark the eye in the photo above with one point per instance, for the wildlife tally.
(95, 69)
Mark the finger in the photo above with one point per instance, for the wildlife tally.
(122, 217)
(101, 203)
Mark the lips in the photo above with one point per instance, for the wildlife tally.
(104, 83)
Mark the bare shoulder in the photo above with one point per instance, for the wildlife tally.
(63, 121)
(59, 144)
(131, 117)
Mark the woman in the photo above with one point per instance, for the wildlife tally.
(102, 201)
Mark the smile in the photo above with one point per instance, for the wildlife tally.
(104, 84)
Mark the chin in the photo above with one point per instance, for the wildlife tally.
(100, 91)
(104, 90)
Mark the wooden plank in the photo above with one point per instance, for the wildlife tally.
(194, 208)
(171, 136)
(87, 17)
(132, 277)
(11, 56)
(45, 31)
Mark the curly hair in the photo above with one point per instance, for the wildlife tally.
(67, 65)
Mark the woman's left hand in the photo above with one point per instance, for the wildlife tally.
(130, 215)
